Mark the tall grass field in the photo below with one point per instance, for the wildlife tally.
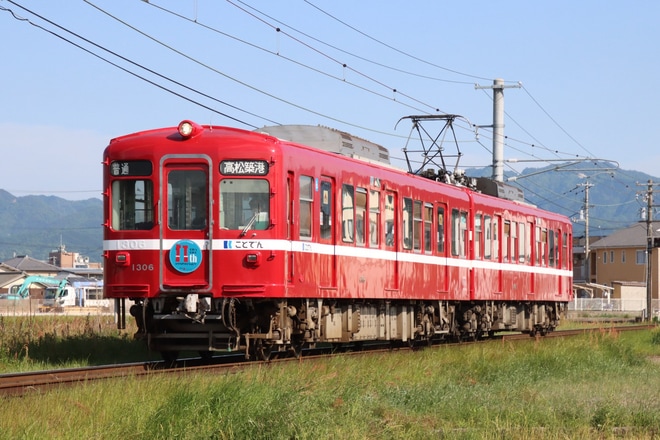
(600, 385)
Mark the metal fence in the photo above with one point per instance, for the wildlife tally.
(613, 305)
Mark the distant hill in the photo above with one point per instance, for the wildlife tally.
(616, 199)
(36, 225)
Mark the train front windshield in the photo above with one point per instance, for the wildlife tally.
(244, 204)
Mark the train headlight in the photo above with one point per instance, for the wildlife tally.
(188, 129)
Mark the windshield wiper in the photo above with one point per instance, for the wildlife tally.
(250, 223)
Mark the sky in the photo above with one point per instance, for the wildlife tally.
(581, 77)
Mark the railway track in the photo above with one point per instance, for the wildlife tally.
(35, 382)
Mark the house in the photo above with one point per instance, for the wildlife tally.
(619, 261)
(15, 271)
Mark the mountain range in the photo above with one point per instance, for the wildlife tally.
(36, 225)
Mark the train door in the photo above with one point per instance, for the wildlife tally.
(186, 219)
(328, 268)
(497, 251)
(304, 254)
(391, 242)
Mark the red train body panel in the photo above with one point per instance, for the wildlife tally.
(227, 238)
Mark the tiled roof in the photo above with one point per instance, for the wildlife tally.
(7, 278)
(633, 236)
(29, 264)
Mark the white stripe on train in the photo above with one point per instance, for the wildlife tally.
(220, 245)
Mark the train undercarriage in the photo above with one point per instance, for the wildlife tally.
(263, 327)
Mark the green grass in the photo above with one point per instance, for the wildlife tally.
(600, 385)
(44, 342)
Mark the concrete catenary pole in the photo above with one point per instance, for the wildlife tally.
(498, 126)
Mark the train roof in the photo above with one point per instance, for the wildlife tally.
(329, 139)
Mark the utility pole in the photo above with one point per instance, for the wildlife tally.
(498, 125)
(587, 247)
(649, 249)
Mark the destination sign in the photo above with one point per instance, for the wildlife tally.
(131, 168)
(244, 167)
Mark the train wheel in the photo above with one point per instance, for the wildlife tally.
(296, 347)
(265, 351)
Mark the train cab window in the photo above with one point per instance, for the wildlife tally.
(132, 205)
(428, 228)
(374, 218)
(440, 241)
(407, 223)
(564, 251)
(360, 216)
(244, 204)
(187, 199)
(325, 223)
(459, 232)
(347, 214)
(389, 220)
(488, 237)
(305, 208)
(417, 225)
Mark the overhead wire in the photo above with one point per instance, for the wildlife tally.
(352, 54)
(117, 65)
(318, 113)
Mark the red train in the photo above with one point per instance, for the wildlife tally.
(228, 239)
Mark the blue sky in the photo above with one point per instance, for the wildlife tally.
(589, 74)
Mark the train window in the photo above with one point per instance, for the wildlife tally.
(477, 236)
(553, 247)
(441, 230)
(496, 237)
(374, 218)
(360, 215)
(187, 199)
(347, 213)
(407, 223)
(514, 241)
(459, 232)
(132, 205)
(325, 223)
(522, 242)
(244, 203)
(528, 242)
(305, 208)
(417, 225)
(541, 246)
(506, 234)
(488, 238)
(389, 220)
(428, 228)
(564, 251)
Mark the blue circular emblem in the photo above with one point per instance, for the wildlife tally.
(185, 256)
